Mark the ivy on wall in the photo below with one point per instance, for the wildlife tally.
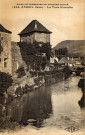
(32, 54)
(1, 49)
(5, 81)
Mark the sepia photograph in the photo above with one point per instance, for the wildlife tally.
(42, 67)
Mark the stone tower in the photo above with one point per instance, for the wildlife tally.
(35, 31)
(35, 45)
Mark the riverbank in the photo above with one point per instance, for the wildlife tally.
(31, 81)
(81, 84)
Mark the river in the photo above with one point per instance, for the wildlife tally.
(49, 109)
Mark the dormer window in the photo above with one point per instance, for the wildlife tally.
(35, 26)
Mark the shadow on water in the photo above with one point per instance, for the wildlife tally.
(32, 108)
(81, 84)
(47, 106)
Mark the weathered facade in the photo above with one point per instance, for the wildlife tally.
(38, 37)
(5, 54)
(10, 56)
(16, 58)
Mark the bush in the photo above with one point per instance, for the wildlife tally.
(5, 81)
(31, 54)
(21, 72)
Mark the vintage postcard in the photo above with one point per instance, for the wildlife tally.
(42, 67)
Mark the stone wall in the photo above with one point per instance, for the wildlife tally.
(28, 38)
(42, 37)
(5, 56)
(16, 58)
(38, 37)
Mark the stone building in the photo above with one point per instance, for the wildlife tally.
(10, 56)
(35, 31)
(5, 53)
(35, 45)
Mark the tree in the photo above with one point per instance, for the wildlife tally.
(21, 72)
(61, 52)
(83, 60)
(32, 54)
(5, 81)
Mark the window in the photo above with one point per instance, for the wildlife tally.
(21, 40)
(1, 38)
(5, 62)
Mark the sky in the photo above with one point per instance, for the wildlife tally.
(64, 23)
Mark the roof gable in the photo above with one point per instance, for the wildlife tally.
(70, 60)
(34, 26)
(2, 29)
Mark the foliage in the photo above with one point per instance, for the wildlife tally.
(5, 81)
(32, 54)
(81, 83)
(61, 51)
(83, 60)
(67, 72)
(21, 72)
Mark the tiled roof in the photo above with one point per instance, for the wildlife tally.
(34, 26)
(2, 29)
(63, 60)
(66, 60)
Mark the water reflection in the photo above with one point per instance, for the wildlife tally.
(54, 106)
(32, 108)
(81, 84)
(66, 111)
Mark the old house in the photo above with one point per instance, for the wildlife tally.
(35, 45)
(70, 61)
(5, 53)
(53, 60)
(10, 56)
